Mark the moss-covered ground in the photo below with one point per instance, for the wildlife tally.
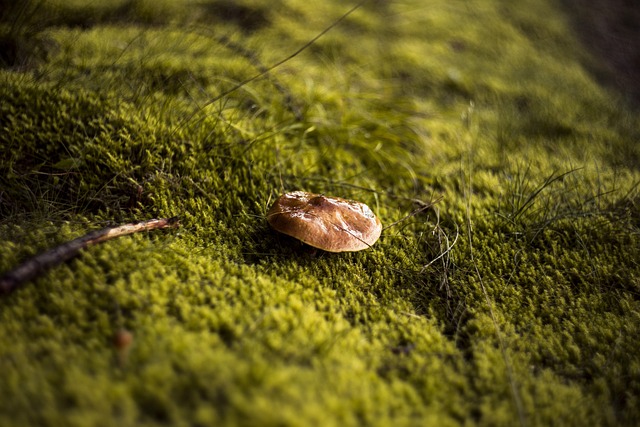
(513, 301)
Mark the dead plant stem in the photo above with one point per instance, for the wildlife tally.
(31, 268)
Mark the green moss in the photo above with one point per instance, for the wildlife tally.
(513, 301)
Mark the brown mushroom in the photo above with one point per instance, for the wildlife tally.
(328, 223)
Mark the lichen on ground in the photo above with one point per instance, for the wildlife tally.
(513, 301)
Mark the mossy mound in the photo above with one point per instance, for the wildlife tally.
(513, 300)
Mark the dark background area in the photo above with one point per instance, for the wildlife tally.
(610, 30)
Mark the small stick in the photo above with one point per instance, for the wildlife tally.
(39, 263)
(122, 341)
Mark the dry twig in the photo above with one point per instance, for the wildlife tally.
(38, 264)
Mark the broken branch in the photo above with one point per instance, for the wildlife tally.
(39, 263)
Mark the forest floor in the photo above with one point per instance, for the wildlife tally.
(513, 299)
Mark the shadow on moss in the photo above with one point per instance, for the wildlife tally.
(22, 45)
(610, 30)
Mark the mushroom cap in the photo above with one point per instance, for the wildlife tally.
(328, 223)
